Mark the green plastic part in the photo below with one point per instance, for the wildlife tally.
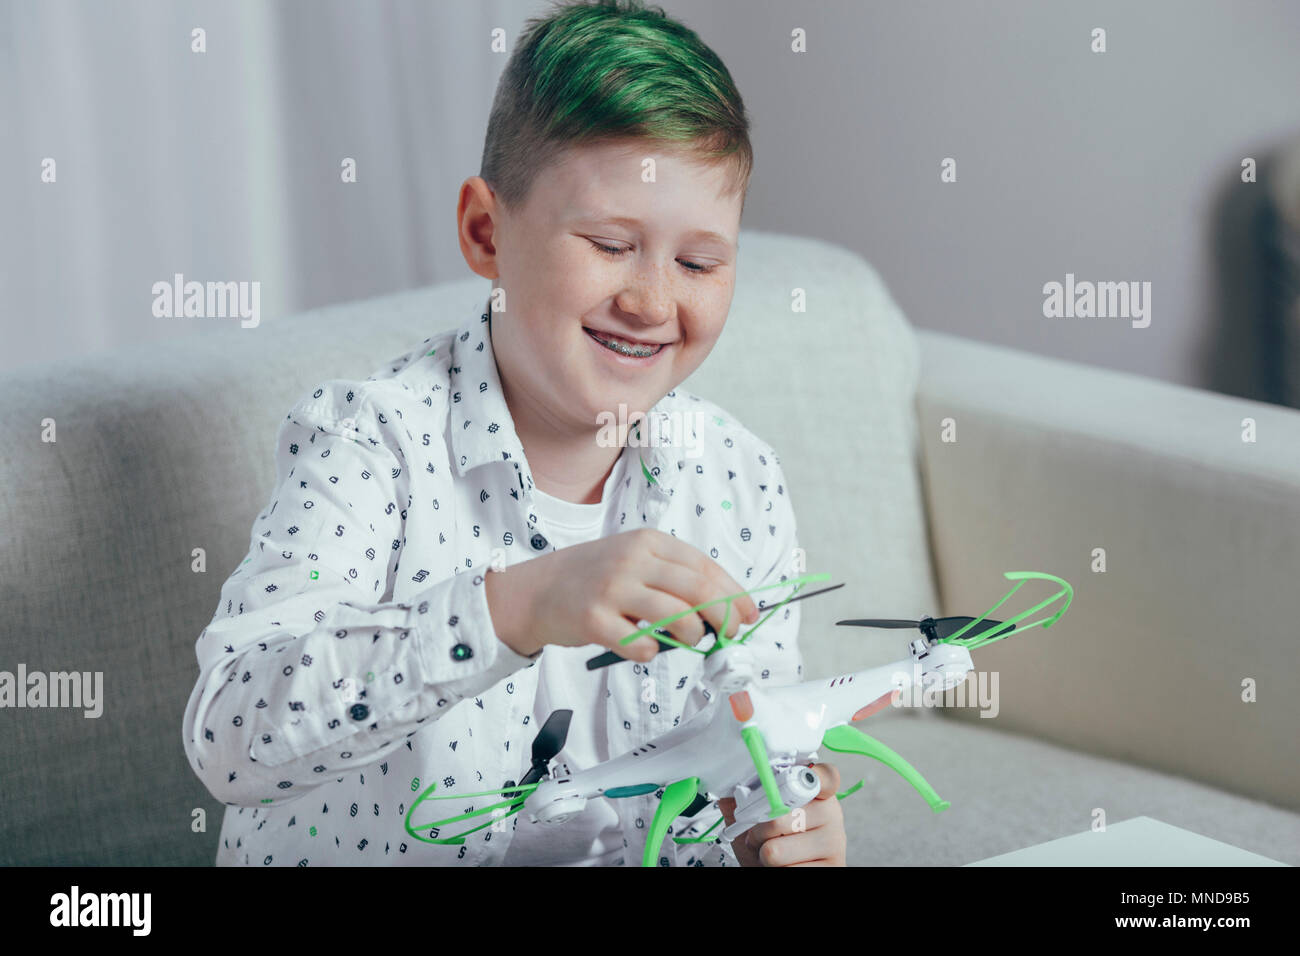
(721, 640)
(677, 797)
(850, 740)
(753, 738)
(515, 802)
(703, 837)
(988, 637)
(851, 791)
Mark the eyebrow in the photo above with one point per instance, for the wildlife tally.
(637, 224)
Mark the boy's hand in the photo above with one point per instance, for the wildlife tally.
(820, 842)
(597, 592)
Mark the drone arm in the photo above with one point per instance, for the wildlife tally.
(848, 739)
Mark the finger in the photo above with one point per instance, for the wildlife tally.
(795, 848)
(781, 826)
(709, 582)
(830, 776)
(688, 585)
(611, 628)
(823, 815)
(677, 583)
(706, 584)
(815, 815)
(742, 609)
(647, 604)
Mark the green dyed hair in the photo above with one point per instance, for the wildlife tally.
(607, 70)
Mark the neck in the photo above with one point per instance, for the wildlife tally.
(569, 465)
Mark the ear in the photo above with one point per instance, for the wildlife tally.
(477, 216)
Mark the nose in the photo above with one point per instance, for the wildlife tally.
(649, 297)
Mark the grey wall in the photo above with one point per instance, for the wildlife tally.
(225, 165)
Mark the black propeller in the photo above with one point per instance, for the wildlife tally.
(936, 629)
(548, 742)
(881, 622)
(610, 657)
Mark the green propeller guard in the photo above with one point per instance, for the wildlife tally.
(721, 640)
(989, 636)
(514, 803)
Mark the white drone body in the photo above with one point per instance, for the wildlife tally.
(711, 745)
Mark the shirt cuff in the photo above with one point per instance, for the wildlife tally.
(460, 649)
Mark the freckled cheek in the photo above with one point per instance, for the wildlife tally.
(570, 281)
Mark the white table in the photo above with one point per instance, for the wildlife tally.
(1141, 841)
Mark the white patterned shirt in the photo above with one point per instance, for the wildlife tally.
(352, 659)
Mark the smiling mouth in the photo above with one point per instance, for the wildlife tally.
(623, 346)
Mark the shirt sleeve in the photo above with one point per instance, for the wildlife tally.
(305, 673)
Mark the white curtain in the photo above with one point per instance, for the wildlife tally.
(225, 165)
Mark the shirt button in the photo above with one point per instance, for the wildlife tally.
(360, 711)
(538, 542)
(461, 652)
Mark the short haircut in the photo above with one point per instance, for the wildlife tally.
(601, 71)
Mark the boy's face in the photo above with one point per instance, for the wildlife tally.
(669, 283)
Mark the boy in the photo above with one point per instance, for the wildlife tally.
(451, 539)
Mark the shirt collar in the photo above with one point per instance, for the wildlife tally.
(483, 430)
(481, 427)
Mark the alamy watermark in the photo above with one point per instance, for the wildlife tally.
(55, 689)
(212, 300)
(675, 429)
(983, 690)
(76, 908)
(1101, 300)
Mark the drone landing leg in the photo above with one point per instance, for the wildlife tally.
(847, 739)
(677, 797)
(753, 738)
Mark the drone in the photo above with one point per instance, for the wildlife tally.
(755, 744)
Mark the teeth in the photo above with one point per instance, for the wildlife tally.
(635, 351)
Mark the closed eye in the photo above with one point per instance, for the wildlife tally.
(614, 252)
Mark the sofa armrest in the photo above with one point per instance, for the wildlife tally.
(1058, 466)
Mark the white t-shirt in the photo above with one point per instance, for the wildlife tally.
(594, 837)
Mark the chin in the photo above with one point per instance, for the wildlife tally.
(605, 412)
